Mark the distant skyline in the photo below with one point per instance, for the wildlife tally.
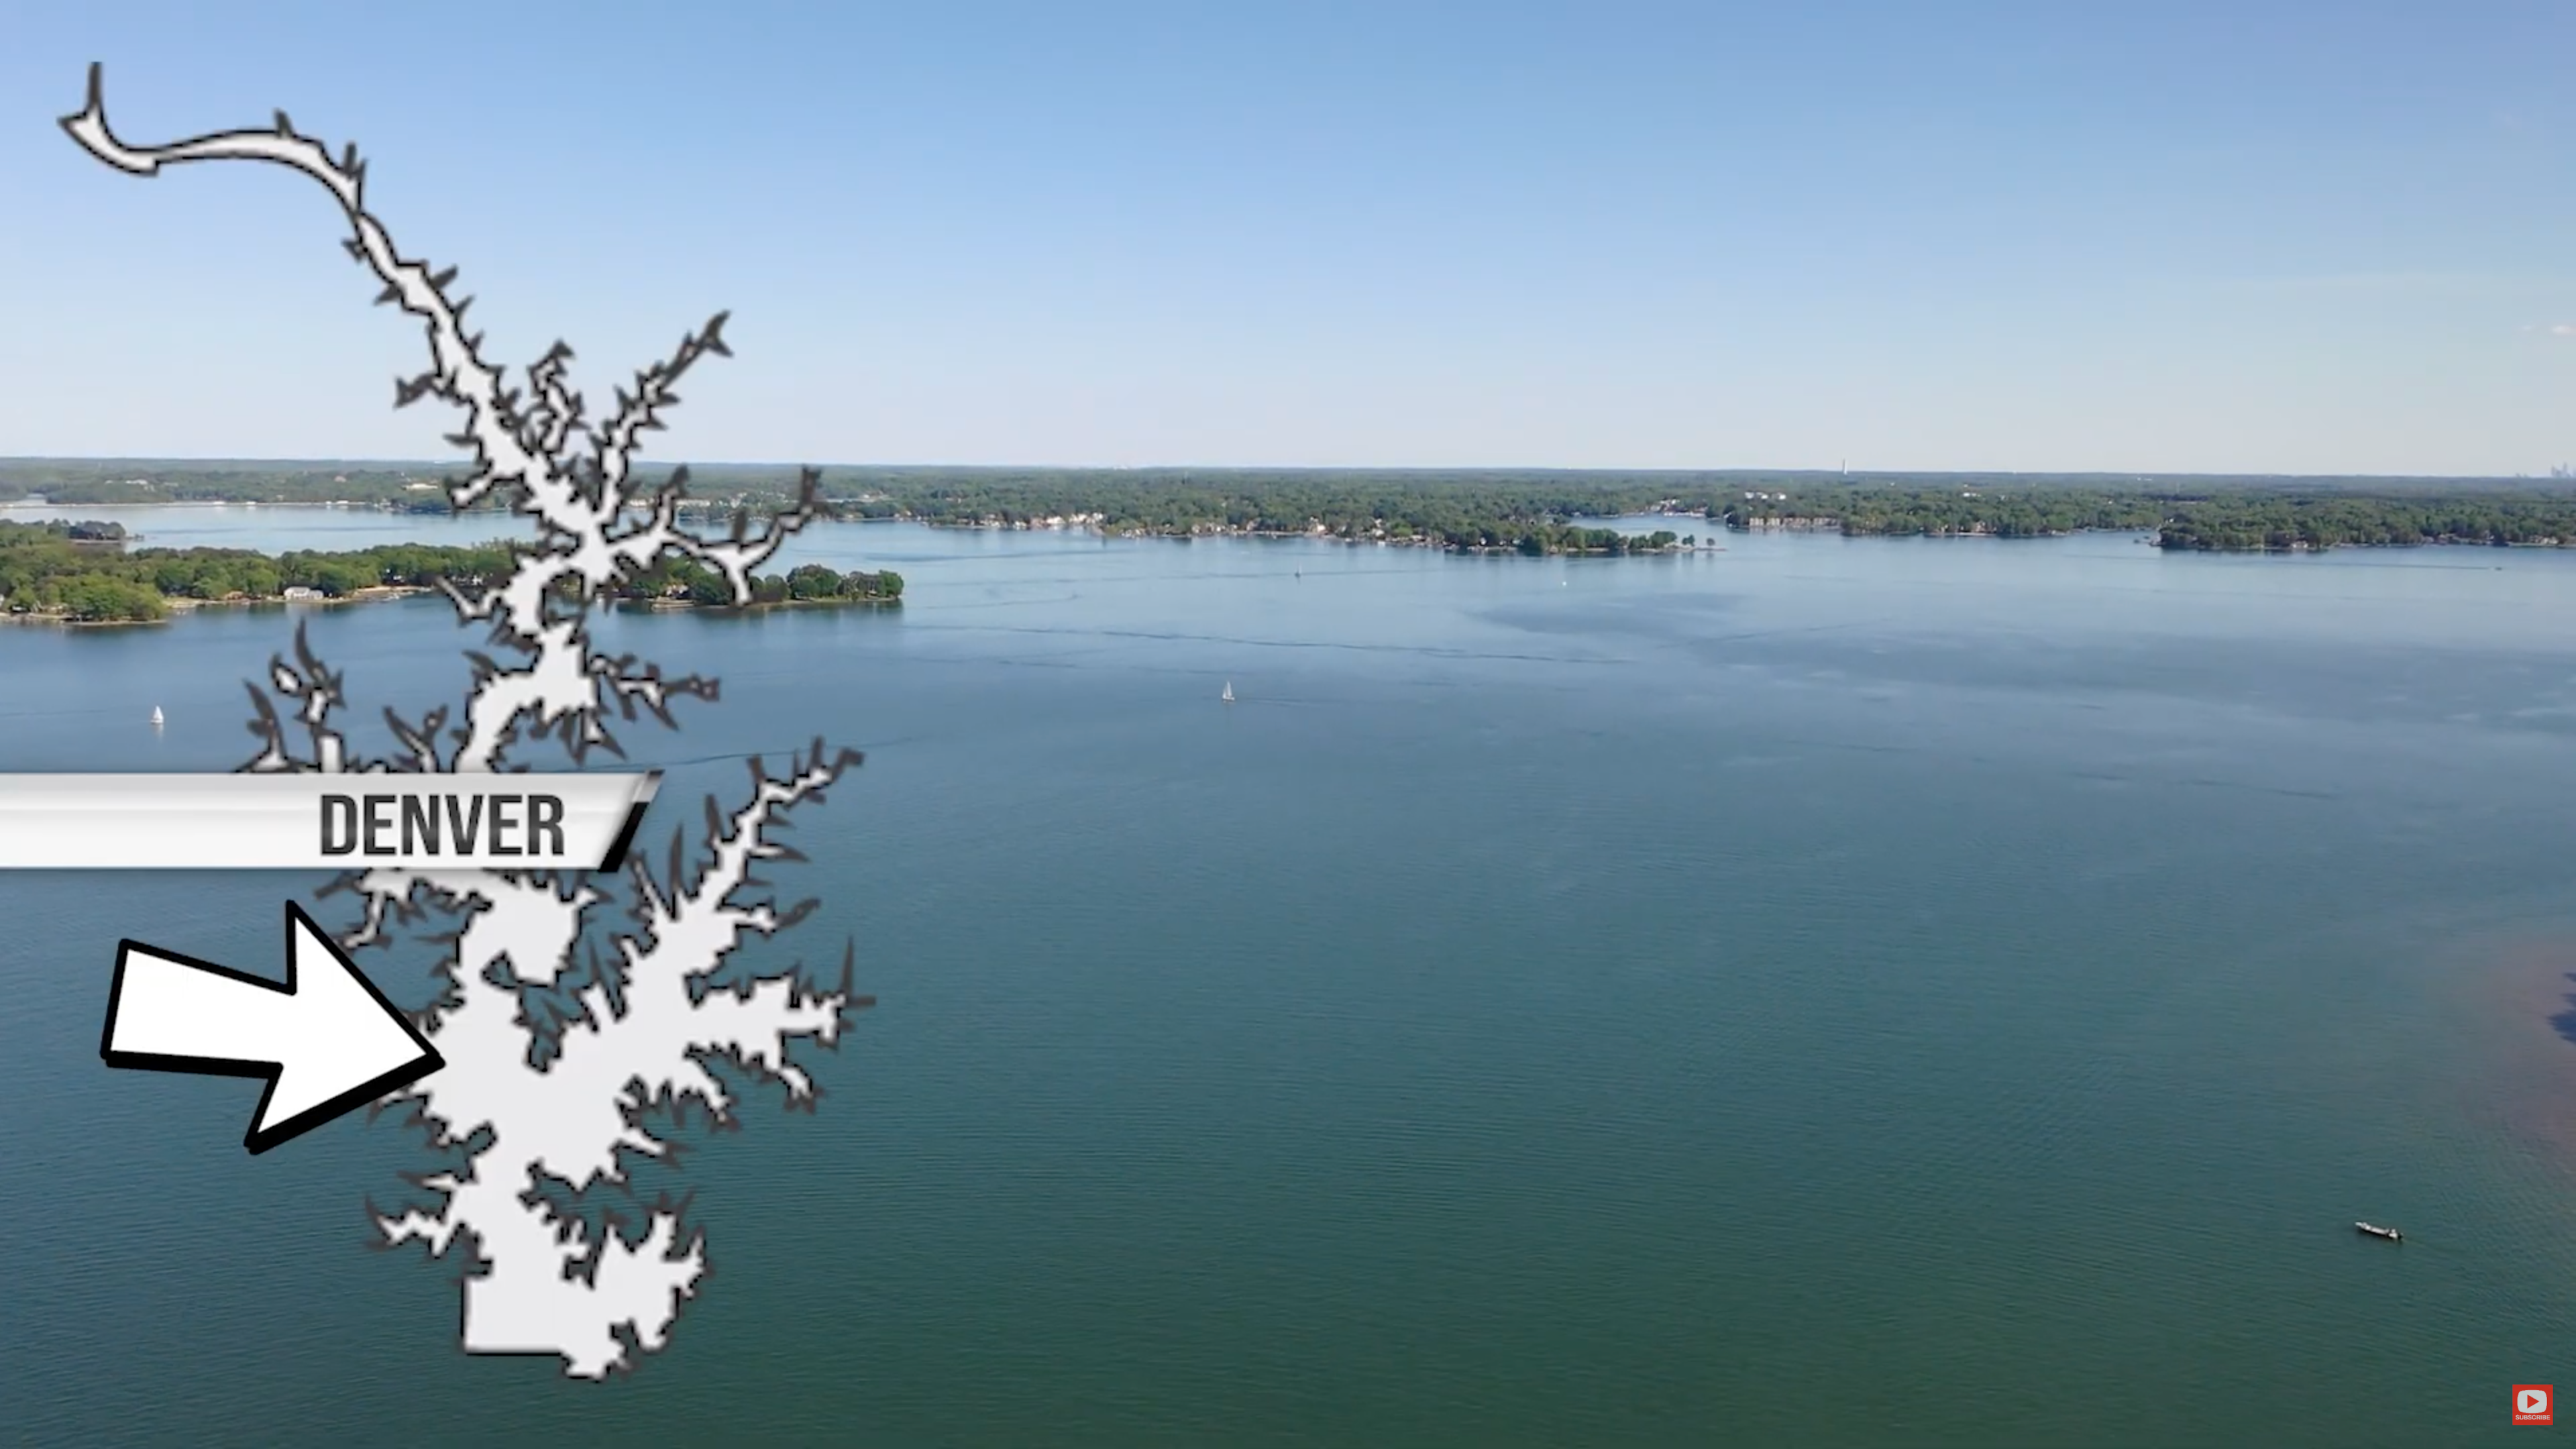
(2167, 238)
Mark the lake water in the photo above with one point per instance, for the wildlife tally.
(1821, 992)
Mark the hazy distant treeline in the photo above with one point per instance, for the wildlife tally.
(1533, 510)
(1542, 512)
(130, 481)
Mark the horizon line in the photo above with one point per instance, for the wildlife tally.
(1419, 468)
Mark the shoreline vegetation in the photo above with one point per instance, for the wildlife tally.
(84, 573)
(1532, 512)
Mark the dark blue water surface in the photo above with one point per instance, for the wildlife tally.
(1818, 992)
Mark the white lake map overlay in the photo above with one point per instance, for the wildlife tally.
(543, 1111)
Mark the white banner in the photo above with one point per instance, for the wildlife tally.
(515, 821)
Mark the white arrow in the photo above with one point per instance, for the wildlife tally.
(325, 1042)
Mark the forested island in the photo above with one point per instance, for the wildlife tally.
(1490, 510)
(86, 573)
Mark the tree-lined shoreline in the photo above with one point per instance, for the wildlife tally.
(84, 573)
(1491, 510)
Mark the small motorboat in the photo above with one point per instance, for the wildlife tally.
(2376, 1231)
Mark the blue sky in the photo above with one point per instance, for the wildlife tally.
(2151, 237)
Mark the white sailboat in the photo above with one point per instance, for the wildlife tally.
(156, 716)
(1228, 696)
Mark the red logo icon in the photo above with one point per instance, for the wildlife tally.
(2531, 1403)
